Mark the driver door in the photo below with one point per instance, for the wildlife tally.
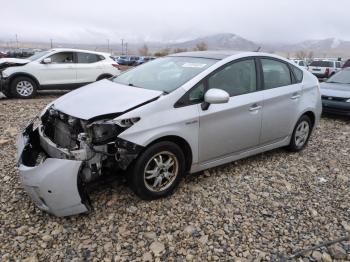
(61, 70)
(234, 126)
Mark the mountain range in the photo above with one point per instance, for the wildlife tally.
(330, 47)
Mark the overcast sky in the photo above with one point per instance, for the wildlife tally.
(88, 21)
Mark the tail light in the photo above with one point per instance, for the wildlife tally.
(116, 66)
(327, 71)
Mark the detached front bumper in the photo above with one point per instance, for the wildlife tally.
(53, 184)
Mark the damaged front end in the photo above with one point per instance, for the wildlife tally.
(59, 155)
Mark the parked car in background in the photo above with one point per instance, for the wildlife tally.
(175, 115)
(54, 69)
(324, 68)
(346, 64)
(20, 53)
(301, 63)
(144, 59)
(336, 93)
(127, 60)
(2, 54)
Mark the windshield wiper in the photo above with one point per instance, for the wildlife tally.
(131, 84)
(332, 82)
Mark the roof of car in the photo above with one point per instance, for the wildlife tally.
(78, 50)
(210, 54)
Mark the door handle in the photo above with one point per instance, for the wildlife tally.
(295, 96)
(255, 107)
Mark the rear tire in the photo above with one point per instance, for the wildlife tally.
(23, 87)
(301, 134)
(157, 171)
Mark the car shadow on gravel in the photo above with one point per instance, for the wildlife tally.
(329, 116)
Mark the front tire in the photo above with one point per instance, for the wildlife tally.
(23, 87)
(301, 134)
(157, 171)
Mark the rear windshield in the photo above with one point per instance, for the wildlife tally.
(322, 63)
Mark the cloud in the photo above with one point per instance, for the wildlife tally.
(88, 21)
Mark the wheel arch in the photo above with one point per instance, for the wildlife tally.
(311, 115)
(102, 76)
(19, 74)
(182, 143)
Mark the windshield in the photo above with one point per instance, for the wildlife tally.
(342, 77)
(164, 74)
(37, 55)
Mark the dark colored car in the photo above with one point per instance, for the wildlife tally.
(2, 54)
(336, 93)
(127, 60)
(144, 59)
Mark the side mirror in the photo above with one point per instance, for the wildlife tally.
(215, 96)
(47, 61)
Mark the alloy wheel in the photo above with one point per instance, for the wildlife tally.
(161, 171)
(24, 88)
(302, 133)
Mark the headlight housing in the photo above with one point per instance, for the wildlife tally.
(348, 101)
(128, 122)
(105, 131)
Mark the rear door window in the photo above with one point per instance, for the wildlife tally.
(88, 58)
(275, 73)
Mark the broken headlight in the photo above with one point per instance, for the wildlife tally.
(105, 131)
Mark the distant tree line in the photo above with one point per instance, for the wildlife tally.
(144, 50)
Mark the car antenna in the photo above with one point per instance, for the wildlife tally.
(258, 49)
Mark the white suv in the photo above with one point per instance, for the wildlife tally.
(54, 69)
(324, 68)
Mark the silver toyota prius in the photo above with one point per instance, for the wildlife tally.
(164, 119)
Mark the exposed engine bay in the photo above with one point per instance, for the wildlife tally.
(93, 142)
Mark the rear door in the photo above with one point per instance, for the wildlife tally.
(234, 126)
(281, 99)
(89, 67)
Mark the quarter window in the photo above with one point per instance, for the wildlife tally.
(276, 73)
(236, 79)
(88, 58)
(297, 73)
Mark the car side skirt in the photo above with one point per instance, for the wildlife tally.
(239, 155)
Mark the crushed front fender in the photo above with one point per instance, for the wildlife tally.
(53, 184)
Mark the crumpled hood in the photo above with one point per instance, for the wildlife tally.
(14, 61)
(8, 62)
(102, 98)
(335, 90)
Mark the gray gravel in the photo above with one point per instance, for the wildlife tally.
(273, 206)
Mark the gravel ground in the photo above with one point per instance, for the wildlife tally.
(266, 207)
